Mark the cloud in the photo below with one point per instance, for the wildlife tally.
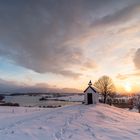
(6, 86)
(135, 74)
(120, 16)
(34, 34)
(12, 86)
(35, 38)
(89, 64)
(136, 59)
(121, 77)
(126, 76)
(129, 30)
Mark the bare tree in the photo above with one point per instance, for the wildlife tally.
(106, 86)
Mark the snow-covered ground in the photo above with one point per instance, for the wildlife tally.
(77, 122)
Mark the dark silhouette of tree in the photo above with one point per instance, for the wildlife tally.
(105, 86)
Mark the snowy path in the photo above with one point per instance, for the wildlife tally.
(69, 123)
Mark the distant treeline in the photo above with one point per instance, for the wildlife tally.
(10, 104)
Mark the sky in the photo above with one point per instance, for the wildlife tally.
(60, 45)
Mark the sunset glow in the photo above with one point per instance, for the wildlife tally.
(62, 45)
(127, 87)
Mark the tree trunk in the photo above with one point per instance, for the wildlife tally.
(104, 98)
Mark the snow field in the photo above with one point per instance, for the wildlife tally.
(76, 122)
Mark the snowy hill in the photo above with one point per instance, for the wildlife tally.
(77, 122)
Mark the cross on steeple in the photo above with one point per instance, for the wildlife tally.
(90, 83)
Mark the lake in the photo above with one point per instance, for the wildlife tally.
(33, 101)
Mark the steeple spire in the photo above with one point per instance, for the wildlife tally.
(90, 83)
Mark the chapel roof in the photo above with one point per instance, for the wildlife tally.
(90, 86)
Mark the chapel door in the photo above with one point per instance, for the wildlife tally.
(89, 97)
